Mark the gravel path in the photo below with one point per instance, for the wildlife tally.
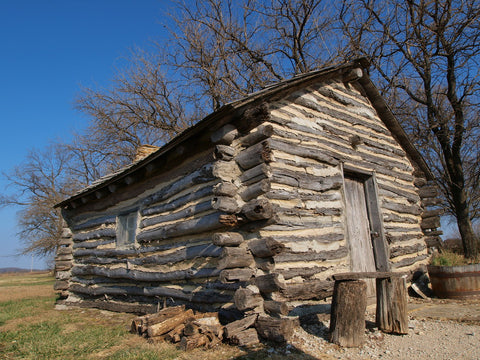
(427, 339)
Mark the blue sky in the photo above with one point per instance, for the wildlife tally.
(48, 50)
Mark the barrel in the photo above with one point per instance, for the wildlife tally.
(455, 282)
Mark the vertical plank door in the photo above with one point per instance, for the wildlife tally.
(358, 231)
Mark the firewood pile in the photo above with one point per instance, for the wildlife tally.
(192, 330)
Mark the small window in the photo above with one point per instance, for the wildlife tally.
(126, 229)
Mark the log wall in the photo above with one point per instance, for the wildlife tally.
(258, 217)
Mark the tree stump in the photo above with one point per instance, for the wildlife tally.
(391, 314)
(347, 320)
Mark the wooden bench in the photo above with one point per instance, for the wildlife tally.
(347, 320)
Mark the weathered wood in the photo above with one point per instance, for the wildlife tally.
(239, 325)
(225, 204)
(224, 152)
(175, 335)
(140, 324)
(258, 209)
(255, 190)
(276, 329)
(406, 250)
(312, 256)
(270, 282)
(225, 189)
(254, 155)
(225, 135)
(265, 247)
(169, 324)
(275, 308)
(261, 133)
(265, 264)
(235, 257)
(430, 223)
(246, 338)
(241, 274)
(198, 225)
(95, 234)
(227, 239)
(189, 211)
(391, 314)
(305, 181)
(192, 342)
(428, 192)
(431, 201)
(255, 174)
(308, 290)
(347, 319)
(248, 298)
(432, 213)
(303, 151)
(367, 275)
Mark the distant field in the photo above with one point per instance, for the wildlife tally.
(30, 328)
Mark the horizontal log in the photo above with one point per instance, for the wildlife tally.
(224, 152)
(285, 256)
(428, 192)
(207, 296)
(235, 257)
(254, 155)
(392, 239)
(402, 208)
(431, 201)
(306, 181)
(434, 212)
(65, 257)
(178, 202)
(253, 191)
(179, 215)
(409, 261)
(406, 250)
(305, 272)
(225, 135)
(241, 274)
(227, 239)
(123, 273)
(259, 134)
(239, 325)
(92, 244)
(245, 338)
(169, 324)
(225, 189)
(255, 174)
(65, 241)
(308, 290)
(94, 223)
(265, 247)
(303, 151)
(64, 250)
(95, 234)
(258, 209)
(109, 305)
(202, 175)
(367, 275)
(205, 223)
(254, 116)
(410, 196)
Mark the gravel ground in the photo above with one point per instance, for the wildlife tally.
(426, 339)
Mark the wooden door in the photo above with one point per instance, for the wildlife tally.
(358, 230)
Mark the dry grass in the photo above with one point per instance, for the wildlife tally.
(31, 328)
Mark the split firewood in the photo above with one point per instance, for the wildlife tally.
(169, 324)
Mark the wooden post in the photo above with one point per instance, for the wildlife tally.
(347, 320)
(391, 315)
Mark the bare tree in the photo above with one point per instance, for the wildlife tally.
(39, 183)
(427, 54)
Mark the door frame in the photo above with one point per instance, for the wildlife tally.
(375, 220)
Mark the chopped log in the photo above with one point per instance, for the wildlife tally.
(241, 274)
(246, 338)
(275, 308)
(255, 190)
(227, 239)
(434, 212)
(391, 315)
(276, 329)
(225, 189)
(260, 134)
(430, 223)
(236, 326)
(175, 335)
(254, 155)
(150, 319)
(192, 342)
(428, 192)
(248, 298)
(308, 290)
(367, 275)
(224, 152)
(169, 324)
(225, 204)
(234, 257)
(347, 318)
(224, 135)
(190, 328)
(258, 209)
(265, 264)
(270, 283)
(265, 247)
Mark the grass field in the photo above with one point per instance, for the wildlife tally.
(30, 328)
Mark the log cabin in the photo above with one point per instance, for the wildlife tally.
(256, 206)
